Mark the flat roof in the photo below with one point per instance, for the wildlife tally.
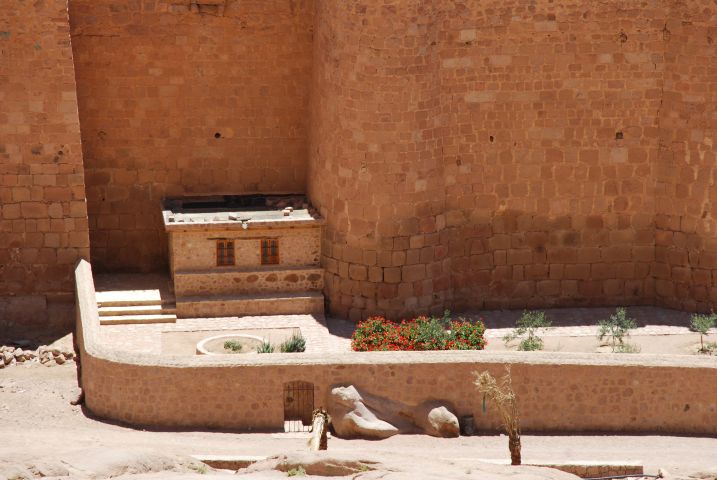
(238, 211)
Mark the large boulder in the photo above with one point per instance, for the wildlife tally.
(437, 420)
(357, 414)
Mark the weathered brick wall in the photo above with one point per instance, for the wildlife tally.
(43, 215)
(551, 138)
(686, 239)
(498, 155)
(376, 169)
(174, 102)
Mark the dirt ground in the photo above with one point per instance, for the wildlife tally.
(37, 420)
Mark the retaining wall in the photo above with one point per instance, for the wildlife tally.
(556, 392)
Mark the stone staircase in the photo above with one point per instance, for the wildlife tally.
(135, 299)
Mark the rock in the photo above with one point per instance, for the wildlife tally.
(357, 414)
(60, 359)
(351, 419)
(8, 357)
(56, 352)
(662, 473)
(437, 420)
(69, 355)
(19, 355)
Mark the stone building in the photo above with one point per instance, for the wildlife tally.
(463, 153)
(254, 255)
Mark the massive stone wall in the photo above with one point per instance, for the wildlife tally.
(465, 154)
(512, 154)
(174, 102)
(43, 215)
(686, 236)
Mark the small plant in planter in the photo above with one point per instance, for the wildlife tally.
(615, 329)
(233, 345)
(297, 343)
(529, 323)
(265, 347)
(701, 324)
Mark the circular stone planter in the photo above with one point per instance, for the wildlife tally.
(215, 345)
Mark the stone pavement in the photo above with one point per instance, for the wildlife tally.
(147, 338)
(333, 335)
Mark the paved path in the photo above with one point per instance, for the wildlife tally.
(148, 338)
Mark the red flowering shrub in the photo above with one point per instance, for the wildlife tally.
(421, 333)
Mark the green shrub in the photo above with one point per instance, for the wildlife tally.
(702, 323)
(296, 472)
(265, 347)
(627, 348)
(233, 345)
(296, 343)
(529, 323)
(615, 329)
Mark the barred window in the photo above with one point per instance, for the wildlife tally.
(270, 251)
(225, 253)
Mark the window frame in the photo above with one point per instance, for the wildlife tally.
(273, 257)
(228, 256)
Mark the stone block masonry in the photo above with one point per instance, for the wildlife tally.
(464, 154)
(181, 101)
(503, 154)
(43, 214)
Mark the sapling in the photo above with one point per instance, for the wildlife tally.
(616, 328)
(702, 323)
(529, 323)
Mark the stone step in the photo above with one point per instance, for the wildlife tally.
(113, 311)
(132, 298)
(137, 319)
(292, 303)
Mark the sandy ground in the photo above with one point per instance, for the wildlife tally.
(36, 420)
(683, 344)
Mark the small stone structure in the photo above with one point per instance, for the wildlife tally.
(244, 255)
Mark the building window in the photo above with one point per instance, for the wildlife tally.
(270, 251)
(225, 253)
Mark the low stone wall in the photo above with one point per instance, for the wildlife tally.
(556, 391)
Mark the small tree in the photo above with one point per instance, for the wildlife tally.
(701, 324)
(616, 328)
(502, 395)
(529, 323)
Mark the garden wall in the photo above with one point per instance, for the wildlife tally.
(43, 214)
(556, 392)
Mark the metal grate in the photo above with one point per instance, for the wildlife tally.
(298, 406)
